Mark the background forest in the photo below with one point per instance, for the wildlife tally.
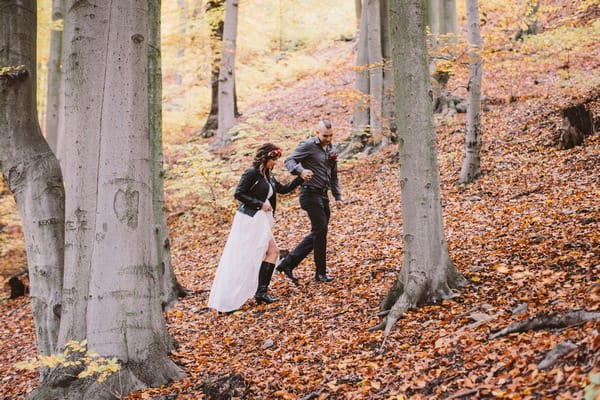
(525, 234)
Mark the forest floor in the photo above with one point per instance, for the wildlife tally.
(525, 235)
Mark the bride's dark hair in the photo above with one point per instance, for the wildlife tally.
(267, 151)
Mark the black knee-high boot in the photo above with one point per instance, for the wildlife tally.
(264, 278)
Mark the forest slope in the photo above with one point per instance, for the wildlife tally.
(525, 235)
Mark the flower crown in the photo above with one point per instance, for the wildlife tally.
(275, 153)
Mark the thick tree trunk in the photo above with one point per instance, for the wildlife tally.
(30, 169)
(227, 76)
(170, 289)
(427, 273)
(471, 167)
(112, 294)
(54, 77)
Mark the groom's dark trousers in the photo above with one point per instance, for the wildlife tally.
(316, 203)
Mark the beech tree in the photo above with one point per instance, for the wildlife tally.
(109, 292)
(215, 12)
(471, 167)
(441, 17)
(227, 76)
(372, 117)
(170, 287)
(54, 76)
(427, 274)
(30, 168)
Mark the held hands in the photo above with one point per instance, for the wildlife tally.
(267, 206)
(307, 175)
(339, 203)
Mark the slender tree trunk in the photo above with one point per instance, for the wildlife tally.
(434, 16)
(54, 77)
(448, 18)
(387, 111)
(170, 289)
(183, 20)
(372, 124)
(360, 119)
(215, 11)
(471, 168)
(227, 76)
(427, 273)
(376, 67)
(358, 10)
(30, 169)
(112, 293)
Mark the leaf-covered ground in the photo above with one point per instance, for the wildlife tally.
(526, 235)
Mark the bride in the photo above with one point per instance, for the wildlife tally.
(250, 254)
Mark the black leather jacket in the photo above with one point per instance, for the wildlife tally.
(253, 190)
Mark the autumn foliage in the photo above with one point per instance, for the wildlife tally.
(526, 235)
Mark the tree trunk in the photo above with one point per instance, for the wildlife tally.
(30, 169)
(112, 294)
(373, 111)
(433, 16)
(358, 10)
(360, 119)
(427, 274)
(471, 167)
(171, 290)
(448, 17)
(387, 111)
(215, 11)
(54, 77)
(227, 76)
(183, 20)
(375, 67)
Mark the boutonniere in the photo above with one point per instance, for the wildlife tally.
(332, 155)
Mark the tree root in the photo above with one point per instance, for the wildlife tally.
(544, 321)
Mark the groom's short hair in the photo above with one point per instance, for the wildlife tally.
(324, 124)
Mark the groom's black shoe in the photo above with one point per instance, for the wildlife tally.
(323, 278)
(287, 270)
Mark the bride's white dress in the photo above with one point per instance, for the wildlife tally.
(236, 279)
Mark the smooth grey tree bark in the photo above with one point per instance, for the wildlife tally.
(54, 77)
(227, 76)
(358, 9)
(215, 14)
(428, 274)
(372, 120)
(471, 167)
(441, 17)
(215, 11)
(112, 293)
(31, 169)
(170, 288)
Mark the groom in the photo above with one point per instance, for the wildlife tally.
(315, 161)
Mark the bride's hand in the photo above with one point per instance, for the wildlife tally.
(267, 206)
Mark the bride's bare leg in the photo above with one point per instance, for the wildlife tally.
(272, 252)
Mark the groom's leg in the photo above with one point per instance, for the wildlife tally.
(299, 253)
